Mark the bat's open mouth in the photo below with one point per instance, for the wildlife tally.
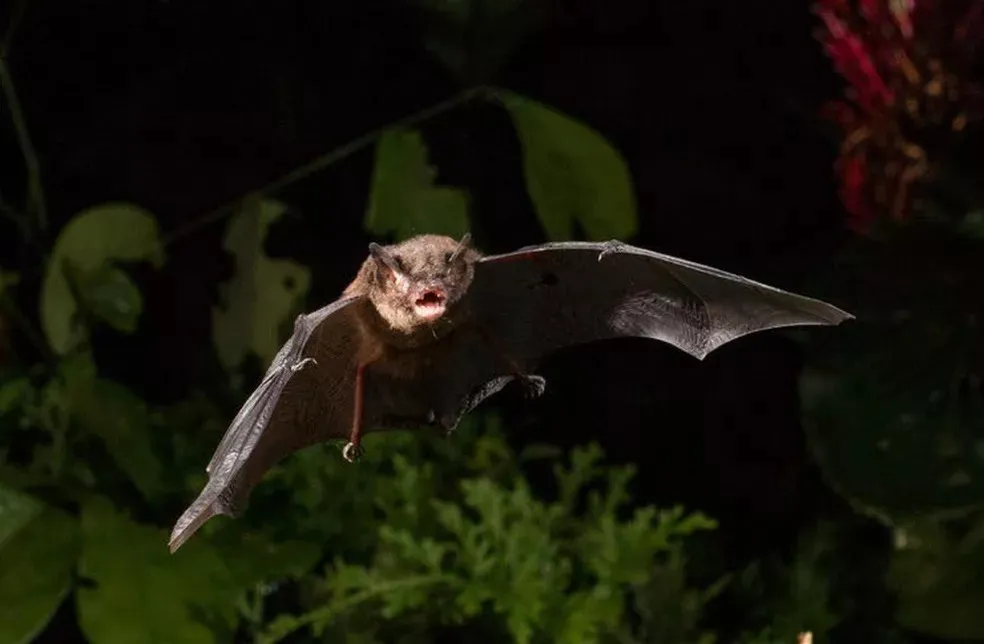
(430, 305)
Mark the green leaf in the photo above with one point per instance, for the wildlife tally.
(403, 200)
(938, 579)
(39, 547)
(13, 392)
(141, 593)
(254, 558)
(93, 238)
(17, 510)
(110, 295)
(455, 547)
(263, 292)
(894, 405)
(112, 412)
(573, 174)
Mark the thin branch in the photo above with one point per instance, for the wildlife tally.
(34, 189)
(326, 613)
(330, 158)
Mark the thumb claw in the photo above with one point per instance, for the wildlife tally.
(611, 247)
(297, 366)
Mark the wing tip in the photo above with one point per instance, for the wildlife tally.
(830, 315)
(197, 515)
(827, 315)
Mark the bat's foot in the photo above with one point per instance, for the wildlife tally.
(533, 386)
(352, 452)
(446, 423)
(297, 366)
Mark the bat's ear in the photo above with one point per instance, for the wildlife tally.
(383, 257)
(464, 243)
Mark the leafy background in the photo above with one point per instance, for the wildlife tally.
(163, 222)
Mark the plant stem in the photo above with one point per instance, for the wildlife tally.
(330, 158)
(34, 190)
(326, 613)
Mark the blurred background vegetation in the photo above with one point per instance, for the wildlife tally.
(828, 482)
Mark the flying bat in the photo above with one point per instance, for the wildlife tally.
(430, 327)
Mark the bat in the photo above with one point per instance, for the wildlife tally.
(429, 328)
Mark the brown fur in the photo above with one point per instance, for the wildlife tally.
(423, 261)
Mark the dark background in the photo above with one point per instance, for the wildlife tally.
(184, 106)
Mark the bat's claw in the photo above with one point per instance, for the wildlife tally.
(445, 422)
(352, 452)
(297, 366)
(533, 386)
(611, 247)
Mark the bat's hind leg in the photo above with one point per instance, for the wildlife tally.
(533, 385)
(353, 449)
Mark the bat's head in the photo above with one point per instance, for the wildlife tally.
(418, 281)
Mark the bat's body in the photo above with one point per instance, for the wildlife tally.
(429, 328)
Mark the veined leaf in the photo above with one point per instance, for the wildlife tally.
(39, 547)
(403, 200)
(92, 239)
(141, 593)
(572, 173)
(110, 294)
(938, 579)
(112, 412)
(263, 291)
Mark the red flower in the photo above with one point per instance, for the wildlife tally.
(906, 65)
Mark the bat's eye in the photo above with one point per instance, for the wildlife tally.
(448, 257)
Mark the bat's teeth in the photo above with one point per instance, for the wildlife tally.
(430, 298)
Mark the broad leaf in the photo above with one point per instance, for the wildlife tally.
(111, 296)
(895, 400)
(13, 392)
(403, 200)
(254, 558)
(91, 240)
(141, 593)
(263, 292)
(938, 579)
(121, 419)
(573, 174)
(39, 547)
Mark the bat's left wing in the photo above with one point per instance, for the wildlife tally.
(539, 299)
(305, 397)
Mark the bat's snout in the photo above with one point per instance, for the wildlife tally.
(430, 303)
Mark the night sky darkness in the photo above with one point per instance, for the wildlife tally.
(183, 106)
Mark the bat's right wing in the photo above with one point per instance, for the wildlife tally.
(542, 298)
(539, 299)
(305, 397)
